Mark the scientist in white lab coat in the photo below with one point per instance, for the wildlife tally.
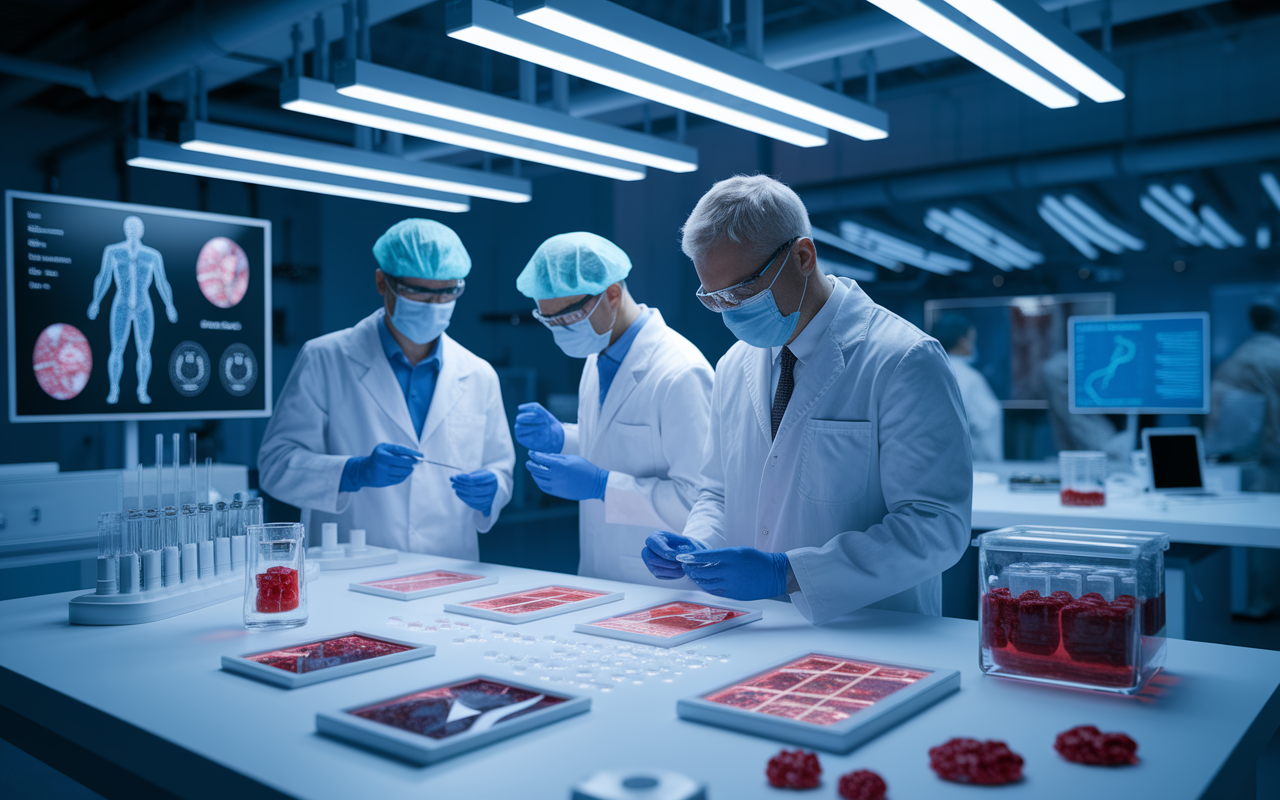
(392, 426)
(959, 338)
(837, 467)
(644, 404)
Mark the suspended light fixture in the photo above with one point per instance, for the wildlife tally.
(169, 157)
(306, 154)
(1272, 187)
(890, 251)
(317, 98)
(1036, 34)
(956, 32)
(441, 100)
(644, 40)
(1084, 227)
(965, 230)
(1175, 210)
(495, 27)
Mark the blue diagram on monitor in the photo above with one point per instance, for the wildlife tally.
(1143, 363)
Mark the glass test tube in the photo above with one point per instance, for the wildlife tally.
(152, 563)
(235, 524)
(252, 514)
(131, 549)
(108, 552)
(187, 536)
(204, 539)
(222, 538)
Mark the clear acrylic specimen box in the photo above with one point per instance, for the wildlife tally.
(446, 720)
(670, 624)
(1072, 607)
(317, 660)
(533, 604)
(423, 584)
(823, 700)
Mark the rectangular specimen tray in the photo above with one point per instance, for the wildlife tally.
(317, 660)
(531, 604)
(831, 702)
(670, 624)
(423, 584)
(448, 719)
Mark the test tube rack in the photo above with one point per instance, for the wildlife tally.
(356, 553)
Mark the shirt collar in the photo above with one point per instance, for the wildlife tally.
(617, 351)
(395, 353)
(806, 344)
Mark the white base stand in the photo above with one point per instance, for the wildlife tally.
(348, 558)
(107, 568)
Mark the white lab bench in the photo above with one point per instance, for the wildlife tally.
(151, 700)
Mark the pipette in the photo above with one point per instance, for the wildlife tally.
(439, 464)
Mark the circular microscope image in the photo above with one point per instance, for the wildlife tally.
(222, 270)
(238, 369)
(62, 361)
(189, 369)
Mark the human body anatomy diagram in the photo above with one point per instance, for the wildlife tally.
(133, 267)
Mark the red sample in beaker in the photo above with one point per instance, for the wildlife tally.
(277, 590)
(1071, 497)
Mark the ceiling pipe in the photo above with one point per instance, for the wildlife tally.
(48, 73)
(1172, 154)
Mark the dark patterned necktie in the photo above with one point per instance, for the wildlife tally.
(786, 383)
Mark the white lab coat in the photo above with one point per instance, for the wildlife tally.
(342, 400)
(984, 412)
(1255, 368)
(868, 485)
(649, 435)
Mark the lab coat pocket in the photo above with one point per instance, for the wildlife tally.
(629, 450)
(834, 458)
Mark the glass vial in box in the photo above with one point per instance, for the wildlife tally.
(1072, 607)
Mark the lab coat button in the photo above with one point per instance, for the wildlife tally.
(764, 532)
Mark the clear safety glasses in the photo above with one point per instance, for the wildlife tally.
(575, 312)
(425, 294)
(733, 296)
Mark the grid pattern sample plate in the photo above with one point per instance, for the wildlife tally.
(317, 660)
(423, 584)
(533, 604)
(670, 624)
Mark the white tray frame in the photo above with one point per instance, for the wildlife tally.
(494, 615)
(749, 615)
(424, 750)
(378, 591)
(841, 737)
(241, 665)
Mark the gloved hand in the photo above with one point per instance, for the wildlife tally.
(537, 429)
(739, 573)
(570, 477)
(660, 551)
(387, 465)
(476, 489)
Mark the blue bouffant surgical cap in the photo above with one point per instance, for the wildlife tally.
(422, 248)
(573, 263)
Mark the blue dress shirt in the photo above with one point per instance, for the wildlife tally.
(611, 359)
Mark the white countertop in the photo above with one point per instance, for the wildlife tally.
(163, 679)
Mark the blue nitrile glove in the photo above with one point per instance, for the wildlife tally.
(739, 573)
(537, 429)
(476, 489)
(660, 551)
(387, 465)
(570, 477)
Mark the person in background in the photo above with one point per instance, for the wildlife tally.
(644, 403)
(1254, 368)
(427, 412)
(837, 466)
(959, 338)
(1080, 431)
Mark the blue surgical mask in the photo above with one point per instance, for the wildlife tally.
(759, 322)
(580, 340)
(421, 322)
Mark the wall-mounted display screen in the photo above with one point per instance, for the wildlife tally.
(1140, 363)
(119, 311)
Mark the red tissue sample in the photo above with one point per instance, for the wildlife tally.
(989, 763)
(62, 361)
(445, 711)
(794, 769)
(1071, 497)
(670, 619)
(534, 600)
(1083, 639)
(818, 690)
(277, 590)
(862, 785)
(222, 271)
(329, 653)
(425, 580)
(1087, 745)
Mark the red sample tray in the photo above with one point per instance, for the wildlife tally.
(670, 624)
(533, 604)
(317, 660)
(423, 584)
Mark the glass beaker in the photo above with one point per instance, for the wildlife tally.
(275, 588)
(1084, 477)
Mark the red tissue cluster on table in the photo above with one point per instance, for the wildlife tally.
(1072, 497)
(989, 763)
(794, 769)
(277, 590)
(1087, 745)
(862, 785)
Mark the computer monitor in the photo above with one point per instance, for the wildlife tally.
(1175, 459)
(128, 312)
(1139, 364)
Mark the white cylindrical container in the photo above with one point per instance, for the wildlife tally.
(130, 573)
(172, 566)
(237, 552)
(222, 557)
(357, 540)
(152, 570)
(206, 560)
(329, 541)
(190, 562)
